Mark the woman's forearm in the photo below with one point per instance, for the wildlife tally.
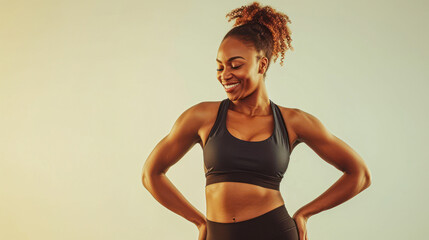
(163, 190)
(347, 186)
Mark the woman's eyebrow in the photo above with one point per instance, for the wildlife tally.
(231, 58)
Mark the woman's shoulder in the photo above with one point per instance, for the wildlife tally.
(193, 118)
(201, 115)
(204, 110)
(302, 122)
(294, 118)
(205, 107)
(295, 114)
(290, 113)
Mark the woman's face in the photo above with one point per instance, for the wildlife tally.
(240, 68)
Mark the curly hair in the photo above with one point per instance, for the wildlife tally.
(264, 28)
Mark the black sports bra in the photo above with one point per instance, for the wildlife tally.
(229, 159)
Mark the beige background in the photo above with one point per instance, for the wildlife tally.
(88, 88)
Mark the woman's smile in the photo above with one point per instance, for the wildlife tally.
(230, 87)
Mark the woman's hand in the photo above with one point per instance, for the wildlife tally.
(202, 228)
(301, 224)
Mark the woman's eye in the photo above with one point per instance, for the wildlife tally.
(231, 67)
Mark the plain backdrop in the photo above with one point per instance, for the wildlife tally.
(88, 88)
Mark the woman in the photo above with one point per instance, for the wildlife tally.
(247, 141)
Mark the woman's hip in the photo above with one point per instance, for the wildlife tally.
(272, 225)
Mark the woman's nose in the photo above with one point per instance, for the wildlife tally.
(225, 74)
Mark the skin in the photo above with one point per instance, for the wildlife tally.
(249, 118)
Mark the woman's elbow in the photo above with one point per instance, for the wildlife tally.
(146, 178)
(362, 176)
(367, 178)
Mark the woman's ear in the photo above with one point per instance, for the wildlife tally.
(263, 63)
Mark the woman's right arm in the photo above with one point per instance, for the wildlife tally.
(182, 137)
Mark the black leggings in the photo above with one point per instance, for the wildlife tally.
(273, 225)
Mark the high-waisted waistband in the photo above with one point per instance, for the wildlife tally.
(272, 225)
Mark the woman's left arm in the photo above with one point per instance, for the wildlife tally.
(333, 150)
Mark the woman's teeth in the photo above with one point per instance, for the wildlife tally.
(230, 86)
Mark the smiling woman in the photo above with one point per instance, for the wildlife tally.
(259, 34)
(247, 141)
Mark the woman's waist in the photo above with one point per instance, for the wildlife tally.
(227, 200)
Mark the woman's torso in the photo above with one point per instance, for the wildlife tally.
(236, 201)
